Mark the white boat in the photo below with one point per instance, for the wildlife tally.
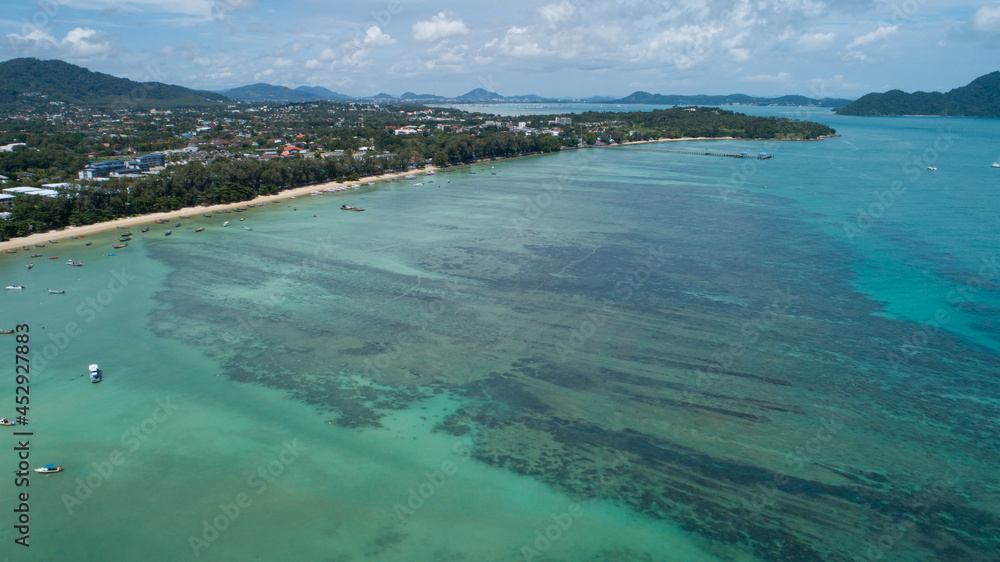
(14, 287)
(95, 373)
(932, 168)
(247, 228)
(49, 468)
(225, 223)
(996, 164)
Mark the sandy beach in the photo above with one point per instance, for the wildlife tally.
(66, 233)
(86, 230)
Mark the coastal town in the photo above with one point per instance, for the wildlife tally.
(99, 163)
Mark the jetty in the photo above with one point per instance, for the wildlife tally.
(758, 156)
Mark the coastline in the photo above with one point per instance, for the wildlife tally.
(86, 230)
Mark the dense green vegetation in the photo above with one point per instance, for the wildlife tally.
(731, 99)
(230, 163)
(981, 98)
(28, 80)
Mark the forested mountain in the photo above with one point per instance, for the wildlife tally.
(256, 93)
(980, 98)
(29, 80)
(731, 99)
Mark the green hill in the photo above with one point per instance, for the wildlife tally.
(981, 98)
(28, 79)
(731, 99)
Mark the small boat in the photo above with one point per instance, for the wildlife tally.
(178, 225)
(145, 229)
(996, 164)
(73, 237)
(199, 229)
(14, 287)
(5, 421)
(125, 239)
(225, 223)
(349, 208)
(30, 265)
(207, 216)
(185, 217)
(112, 255)
(124, 234)
(120, 246)
(74, 263)
(53, 242)
(39, 245)
(95, 373)
(932, 168)
(49, 468)
(36, 255)
(89, 243)
(6, 331)
(10, 251)
(247, 228)
(168, 233)
(54, 258)
(57, 291)
(242, 219)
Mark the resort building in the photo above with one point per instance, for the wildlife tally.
(137, 165)
(15, 191)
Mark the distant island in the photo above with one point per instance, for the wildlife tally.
(980, 98)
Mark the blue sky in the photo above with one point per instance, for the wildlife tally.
(552, 48)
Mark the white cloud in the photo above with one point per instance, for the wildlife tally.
(556, 13)
(78, 44)
(437, 28)
(986, 19)
(816, 41)
(883, 32)
(779, 77)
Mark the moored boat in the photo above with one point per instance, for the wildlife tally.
(95, 372)
(349, 208)
(30, 265)
(14, 287)
(225, 223)
(199, 229)
(36, 255)
(5, 421)
(57, 291)
(6, 331)
(145, 229)
(120, 246)
(49, 468)
(89, 243)
(54, 258)
(168, 233)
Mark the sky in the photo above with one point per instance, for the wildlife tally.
(578, 49)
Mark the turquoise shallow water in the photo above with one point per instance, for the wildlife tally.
(642, 355)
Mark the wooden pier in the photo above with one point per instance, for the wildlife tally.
(761, 156)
